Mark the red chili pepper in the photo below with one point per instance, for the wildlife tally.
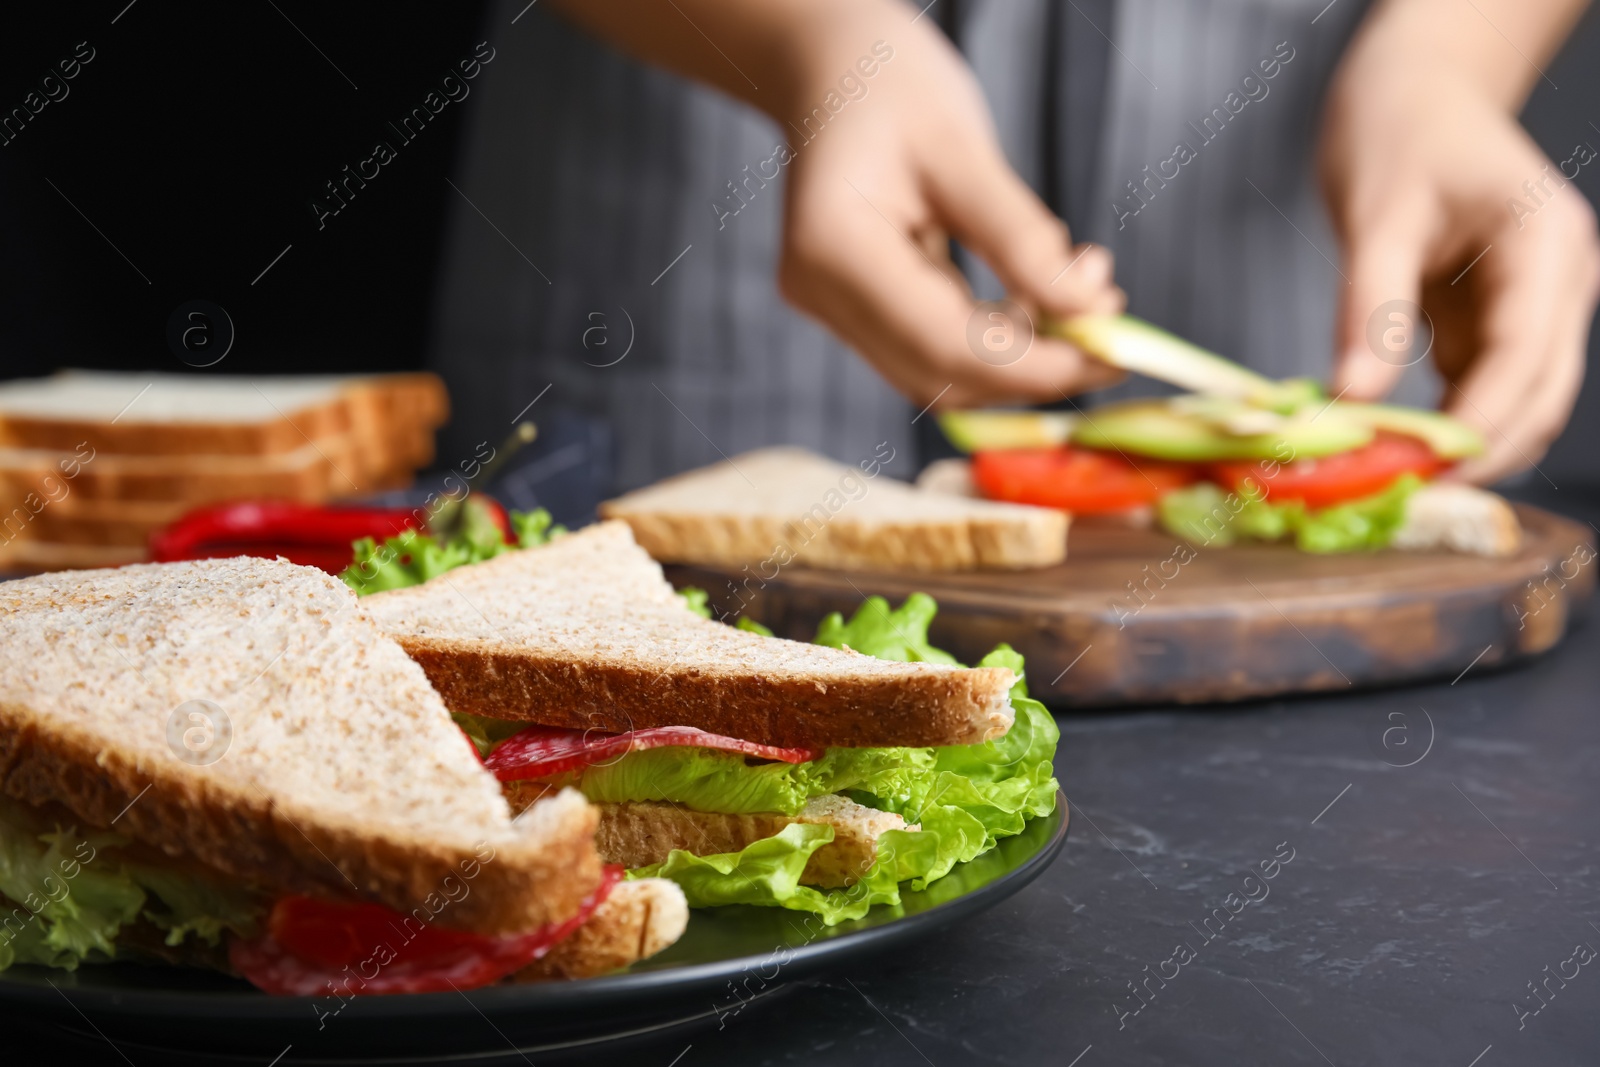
(302, 533)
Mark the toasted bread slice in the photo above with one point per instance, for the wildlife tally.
(587, 633)
(643, 833)
(169, 414)
(1460, 518)
(638, 919)
(780, 505)
(342, 774)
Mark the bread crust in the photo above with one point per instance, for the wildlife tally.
(587, 633)
(975, 543)
(28, 556)
(1459, 518)
(315, 471)
(388, 409)
(249, 836)
(135, 438)
(637, 920)
(534, 685)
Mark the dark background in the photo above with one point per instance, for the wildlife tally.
(195, 141)
(197, 137)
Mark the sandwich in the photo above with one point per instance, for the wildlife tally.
(93, 463)
(744, 767)
(225, 764)
(1241, 457)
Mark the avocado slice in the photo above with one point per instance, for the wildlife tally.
(1450, 438)
(1231, 413)
(1134, 345)
(973, 431)
(1163, 430)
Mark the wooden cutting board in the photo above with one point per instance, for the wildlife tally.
(1137, 616)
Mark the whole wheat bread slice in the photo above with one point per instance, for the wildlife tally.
(344, 776)
(637, 920)
(587, 633)
(779, 505)
(642, 833)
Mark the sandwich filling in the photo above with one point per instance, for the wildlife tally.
(831, 832)
(1241, 457)
(70, 896)
(1351, 502)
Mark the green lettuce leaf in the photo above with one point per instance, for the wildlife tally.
(699, 602)
(1368, 523)
(411, 558)
(886, 775)
(964, 797)
(901, 634)
(485, 732)
(699, 779)
(532, 528)
(182, 904)
(1208, 515)
(61, 905)
(707, 780)
(66, 895)
(767, 873)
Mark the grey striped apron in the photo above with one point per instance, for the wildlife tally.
(587, 272)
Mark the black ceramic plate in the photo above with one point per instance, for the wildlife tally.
(727, 961)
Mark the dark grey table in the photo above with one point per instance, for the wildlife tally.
(1446, 851)
(1445, 844)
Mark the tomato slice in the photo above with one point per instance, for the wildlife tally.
(1083, 480)
(545, 751)
(321, 948)
(1328, 480)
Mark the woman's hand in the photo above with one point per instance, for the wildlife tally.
(885, 168)
(874, 197)
(1442, 200)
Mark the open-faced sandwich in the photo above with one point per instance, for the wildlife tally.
(744, 767)
(225, 764)
(1241, 456)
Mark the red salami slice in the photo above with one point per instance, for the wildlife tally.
(318, 948)
(546, 751)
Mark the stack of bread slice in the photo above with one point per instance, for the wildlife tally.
(93, 463)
